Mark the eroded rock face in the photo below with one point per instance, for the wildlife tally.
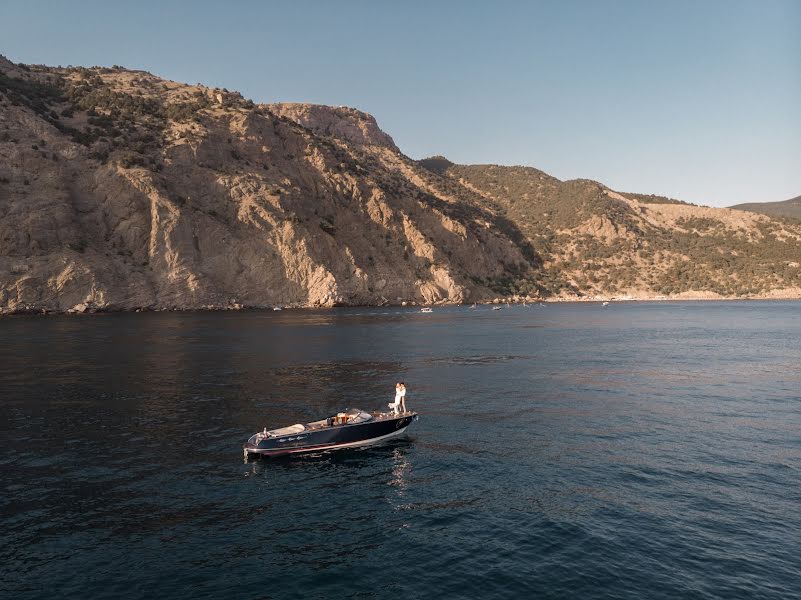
(144, 193)
(342, 122)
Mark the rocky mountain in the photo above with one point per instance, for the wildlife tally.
(120, 191)
(788, 209)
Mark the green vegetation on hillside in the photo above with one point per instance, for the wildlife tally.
(129, 123)
(789, 209)
(654, 199)
(593, 243)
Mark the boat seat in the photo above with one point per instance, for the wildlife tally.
(297, 428)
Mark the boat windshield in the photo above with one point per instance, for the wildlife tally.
(358, 416)
(350, 417)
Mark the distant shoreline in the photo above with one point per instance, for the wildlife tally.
(503, 303)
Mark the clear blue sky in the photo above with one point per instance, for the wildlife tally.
(699, 100)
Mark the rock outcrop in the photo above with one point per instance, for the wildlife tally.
(347, 124)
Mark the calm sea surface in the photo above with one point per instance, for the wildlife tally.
(569, 451)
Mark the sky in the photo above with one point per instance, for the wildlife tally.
(698, 100)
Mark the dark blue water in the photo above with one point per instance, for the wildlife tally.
(570, 451)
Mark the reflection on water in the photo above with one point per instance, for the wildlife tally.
(639, 450)
(400, 472)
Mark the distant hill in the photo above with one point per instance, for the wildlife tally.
(788, 208)
(596, 241)
(436, 164)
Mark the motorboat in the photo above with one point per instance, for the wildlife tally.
(497, 308)
(348, 429)
(426, 309)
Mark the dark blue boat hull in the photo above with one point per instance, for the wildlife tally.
(329, 438)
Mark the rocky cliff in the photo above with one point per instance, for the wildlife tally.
(120, 190)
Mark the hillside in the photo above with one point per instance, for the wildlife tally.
(121, 191)
(596, 241)
(790, 209)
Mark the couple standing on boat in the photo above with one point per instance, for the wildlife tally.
(399, 405)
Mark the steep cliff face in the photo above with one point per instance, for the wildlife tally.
(119, 190)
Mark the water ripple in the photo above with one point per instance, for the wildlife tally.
(652, 452)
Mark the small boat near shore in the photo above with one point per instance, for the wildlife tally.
(348, 429)
(426, 309)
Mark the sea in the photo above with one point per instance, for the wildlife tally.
(637, 450)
